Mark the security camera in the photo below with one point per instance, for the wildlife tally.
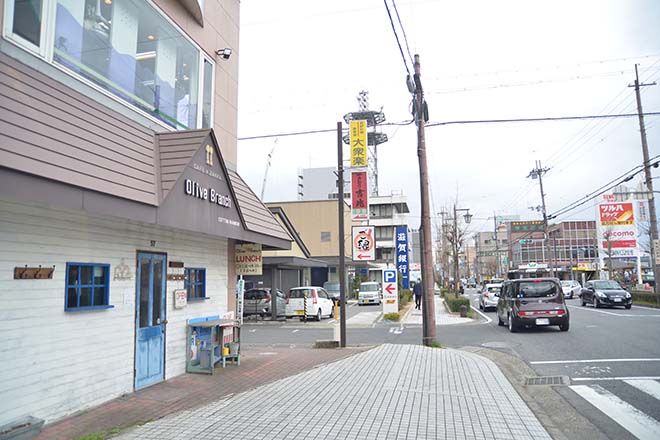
(224, 53)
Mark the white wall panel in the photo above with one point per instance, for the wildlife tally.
(55, 362)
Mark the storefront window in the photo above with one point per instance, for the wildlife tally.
(87, 286)
(207, 98)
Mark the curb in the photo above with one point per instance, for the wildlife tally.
(558, 416)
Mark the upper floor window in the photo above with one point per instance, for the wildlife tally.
(125, 47)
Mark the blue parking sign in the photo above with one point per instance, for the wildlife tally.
(389, 276)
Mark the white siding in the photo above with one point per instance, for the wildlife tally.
(55, 362)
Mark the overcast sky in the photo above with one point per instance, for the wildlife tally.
(302, 64)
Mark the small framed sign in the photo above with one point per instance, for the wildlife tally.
(180, 298)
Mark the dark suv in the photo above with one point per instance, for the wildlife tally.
(532, 302)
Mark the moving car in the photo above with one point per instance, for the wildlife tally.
(532, 302)
(309, 301)
(571, 288)
(369, 293)
(489, 296)
(258, 301)
(332, 287)
(605, 293)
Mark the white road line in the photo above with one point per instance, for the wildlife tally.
(488, 320)
(650, 387)
(293, 331)
(624, 315)
(633, 420)
(586, 379)
(589, 361)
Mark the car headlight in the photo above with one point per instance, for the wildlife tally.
(600, 294)
(628, 295)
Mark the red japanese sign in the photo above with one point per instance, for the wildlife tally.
(616, 214)
(359, 196)
(621, 243)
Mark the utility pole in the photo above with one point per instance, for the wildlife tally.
(538, 172)
(497, 246)
(342, 251)
(647, 176)
(428, 316)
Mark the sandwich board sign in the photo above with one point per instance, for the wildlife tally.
(390, 291)
(364, 243)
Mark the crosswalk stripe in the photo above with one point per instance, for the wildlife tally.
(633, 420)
(650, 387)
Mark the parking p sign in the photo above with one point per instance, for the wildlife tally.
(390, 292)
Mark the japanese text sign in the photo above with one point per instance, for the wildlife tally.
(401, 241)
(358, 140)
(616, 214)
(359, 196)
(364, 246)
(248, 259)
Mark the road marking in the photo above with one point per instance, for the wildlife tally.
(293, 331)
(589, 361)
(583, 379)
(625, 315)
(488, 320)
(633, 420)
(253, 330)
(650, 387)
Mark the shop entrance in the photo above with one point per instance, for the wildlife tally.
(150, 319)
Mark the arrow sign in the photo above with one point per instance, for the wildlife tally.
(390, 291)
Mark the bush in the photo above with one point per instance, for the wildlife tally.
(645, 298)
(444, 292)
(405, 296)
(391, 316)
(455, 304)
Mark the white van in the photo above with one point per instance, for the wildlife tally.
(369, 293)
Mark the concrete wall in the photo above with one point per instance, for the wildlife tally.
(55, 362)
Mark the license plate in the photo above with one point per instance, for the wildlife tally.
(300, 312)
(542, 321)
(367, 300)
(617, 300)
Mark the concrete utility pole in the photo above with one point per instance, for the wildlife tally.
(428, 316)
(647, 176)
(497, 246)
(342, 251)
(538, 172)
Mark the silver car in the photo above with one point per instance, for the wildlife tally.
(571, 288)
(258, 301)
(489, 296)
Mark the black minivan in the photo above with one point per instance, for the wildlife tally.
(532, 302)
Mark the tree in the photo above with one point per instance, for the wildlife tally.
(455, 236)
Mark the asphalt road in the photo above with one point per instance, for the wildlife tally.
(608, 354)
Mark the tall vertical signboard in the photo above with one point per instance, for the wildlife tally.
(401, 241)
(358, 139)
(617, 234)
(359, 196)
(390, 292)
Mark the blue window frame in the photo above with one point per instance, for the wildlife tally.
(195, 283)
(87, 286)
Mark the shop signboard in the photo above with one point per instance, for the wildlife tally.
(363, 243)
(359, 196)
(248, 259)
(401, 241)
(358, 143)
(180, 298)
(390, 291)
(616, 214)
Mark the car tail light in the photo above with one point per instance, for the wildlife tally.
(485, 294)
(268, 297)
(542, 312)
(314, 297)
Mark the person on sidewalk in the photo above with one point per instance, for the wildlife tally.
(417, 291)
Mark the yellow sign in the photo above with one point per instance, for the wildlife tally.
(358, 138)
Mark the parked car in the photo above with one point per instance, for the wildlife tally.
(648, 278)
(369, 293)
(571, 288)
(259, 301)
(605, 293)
(489, 296)
(332, 287)
(317, 300)
(532, 302)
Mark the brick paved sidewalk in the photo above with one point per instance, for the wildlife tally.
(259, 366)
(388, 392)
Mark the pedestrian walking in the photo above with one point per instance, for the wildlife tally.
(417, 291)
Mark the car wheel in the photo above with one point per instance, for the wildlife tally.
(571, 297)
(318, 315)
(332, 312)
(596, 304)
(512, 325)
(628, 306)
(564, 327)
(481, 306)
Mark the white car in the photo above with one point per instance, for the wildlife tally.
(489, 296)
(369, 293)
(316, 299)
(571, 288)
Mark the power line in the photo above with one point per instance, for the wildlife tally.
(405, 38)
(544, 119)
(397, 37)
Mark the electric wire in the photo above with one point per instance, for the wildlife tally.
(405, 38)
(396, 36)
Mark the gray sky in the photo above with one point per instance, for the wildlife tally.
(302, 64)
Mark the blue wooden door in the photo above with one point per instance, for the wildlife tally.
(150, 319)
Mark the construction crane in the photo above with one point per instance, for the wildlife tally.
(270, 156)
